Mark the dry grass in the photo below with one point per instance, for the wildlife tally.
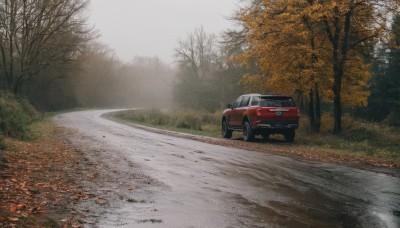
(357, 137)
(186, 120)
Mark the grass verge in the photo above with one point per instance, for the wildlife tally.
(360, 138)
(185, 121)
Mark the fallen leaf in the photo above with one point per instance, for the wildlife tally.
(13, 208)
(20, 206)
(75, 197)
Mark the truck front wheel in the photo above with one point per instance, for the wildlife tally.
(226, 133)
(248, 134)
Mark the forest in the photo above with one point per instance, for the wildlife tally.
(334, 57)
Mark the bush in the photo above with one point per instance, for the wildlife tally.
(157, 117)
(195, 119)
(188, 120)
(16, 115)
(327, 123)
(392, 120)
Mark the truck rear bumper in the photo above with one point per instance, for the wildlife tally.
(277, 125)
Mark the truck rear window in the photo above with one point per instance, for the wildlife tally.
(272, 102)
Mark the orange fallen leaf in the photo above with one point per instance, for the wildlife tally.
(13, 208)
(16, 207)
(20, 206)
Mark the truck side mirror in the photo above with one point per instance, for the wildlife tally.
(229, 106)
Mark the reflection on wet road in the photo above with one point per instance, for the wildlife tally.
(203, 185)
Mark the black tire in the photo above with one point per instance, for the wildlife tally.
(289, 135)
(226, 133)
(248, 134)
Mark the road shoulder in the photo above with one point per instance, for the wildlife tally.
(293, 150)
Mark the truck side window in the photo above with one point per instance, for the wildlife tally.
(245, 102)
(255, 101)
(237, 102)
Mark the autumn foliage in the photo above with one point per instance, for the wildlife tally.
(313, 49)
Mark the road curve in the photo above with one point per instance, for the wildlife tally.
(195, 184)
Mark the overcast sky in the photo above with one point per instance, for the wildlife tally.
(153, 27)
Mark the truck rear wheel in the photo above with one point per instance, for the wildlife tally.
(289, 135)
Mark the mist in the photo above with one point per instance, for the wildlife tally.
(108, 82)
(152, 28)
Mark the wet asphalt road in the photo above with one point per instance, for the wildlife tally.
(203, 185)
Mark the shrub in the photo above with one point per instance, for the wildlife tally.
(16, 115)
(327, 122)
(195, 119)
(211, 118)
(29, 108)
(392, 120)
(189, 120)
(157, 117)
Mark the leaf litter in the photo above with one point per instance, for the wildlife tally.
(39, 185)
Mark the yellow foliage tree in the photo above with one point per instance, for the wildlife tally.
(313, 48)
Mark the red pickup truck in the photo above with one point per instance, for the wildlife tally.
(256, 114)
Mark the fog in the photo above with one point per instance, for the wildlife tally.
(135, 61)
(152, 28)
(106, 81)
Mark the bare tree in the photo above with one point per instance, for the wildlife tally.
(197, 53)
(197, 58)
(39, 34)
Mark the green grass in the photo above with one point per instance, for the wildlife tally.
(358, 137)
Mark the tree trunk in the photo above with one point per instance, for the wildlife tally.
(317, 110)
(338, 73)
(314, 110)
(337, 105)
(311, 113)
